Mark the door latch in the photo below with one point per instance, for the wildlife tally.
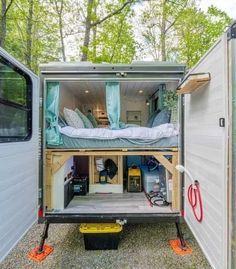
(222, 122)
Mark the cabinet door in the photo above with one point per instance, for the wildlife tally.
(206, 153)
(19, 107)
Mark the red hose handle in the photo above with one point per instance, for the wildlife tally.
(194, 198)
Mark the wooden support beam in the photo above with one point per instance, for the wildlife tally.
(59, 158)
(48, 182)
(164, 161)
(176, 191)
(120, 170)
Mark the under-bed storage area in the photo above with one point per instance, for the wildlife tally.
(112, 182)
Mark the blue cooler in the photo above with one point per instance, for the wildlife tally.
(149, 178)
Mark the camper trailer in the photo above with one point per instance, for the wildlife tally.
(104, 143)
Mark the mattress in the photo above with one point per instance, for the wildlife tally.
(83, 143)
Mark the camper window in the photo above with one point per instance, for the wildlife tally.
(15, 103)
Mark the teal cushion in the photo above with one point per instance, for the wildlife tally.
(92, 119)
(85, 120)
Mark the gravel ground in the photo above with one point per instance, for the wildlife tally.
(141, 246)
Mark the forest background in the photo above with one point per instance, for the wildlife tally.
(111, 31)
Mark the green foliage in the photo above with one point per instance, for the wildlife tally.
(170, 100)
(44, 40)
(172, 30)
(114, 43)
(198, 31)
(112, 40)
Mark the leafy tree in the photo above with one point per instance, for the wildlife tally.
(159, 19)
(93, 20)
(198, 32)
(36, 31)
(29, 38)
(113, 41)
(5, 7)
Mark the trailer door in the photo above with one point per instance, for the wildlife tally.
(206, 153)
(18, 151)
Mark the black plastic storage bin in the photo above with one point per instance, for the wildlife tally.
(101, 241)
(101, 236)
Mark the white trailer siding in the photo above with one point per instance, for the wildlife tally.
(19, 179)
(232, 172)
(206, 154)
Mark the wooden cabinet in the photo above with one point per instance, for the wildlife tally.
(113, 185)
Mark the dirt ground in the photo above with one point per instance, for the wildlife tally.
(141, 246)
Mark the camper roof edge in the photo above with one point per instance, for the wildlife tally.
(66, 67)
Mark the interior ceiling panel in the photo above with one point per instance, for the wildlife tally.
(93, 92)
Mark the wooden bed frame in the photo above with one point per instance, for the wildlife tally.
(56, 158)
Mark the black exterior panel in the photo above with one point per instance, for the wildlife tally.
(110, 218)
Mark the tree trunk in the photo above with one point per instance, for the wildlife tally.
(3, 24)
(60, 19)
(29, 29)
(94, 42)
(62, 39)
(88, 26)
(163, 32)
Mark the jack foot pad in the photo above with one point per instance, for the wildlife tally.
(178, 249)
(40, 256)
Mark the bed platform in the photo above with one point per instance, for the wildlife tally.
(56, 159)
(83, 143)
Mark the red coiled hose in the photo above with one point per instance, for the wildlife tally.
(195, 200)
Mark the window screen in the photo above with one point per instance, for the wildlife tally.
(15, 103)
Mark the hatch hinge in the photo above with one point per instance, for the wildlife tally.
(231, 34)
(39, 145)
(40, 194)
(40, 102)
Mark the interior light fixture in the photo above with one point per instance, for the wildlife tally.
(147, 103)
(140, 91)
(86, 91)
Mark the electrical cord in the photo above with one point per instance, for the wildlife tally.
(194, 194)
(156, 199)
(195, 200)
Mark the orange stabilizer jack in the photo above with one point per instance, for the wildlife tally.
(40, 256)
(178, 249)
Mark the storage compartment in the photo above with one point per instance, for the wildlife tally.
(114, 197)
(114, 184)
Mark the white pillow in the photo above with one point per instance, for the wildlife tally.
(72, 118)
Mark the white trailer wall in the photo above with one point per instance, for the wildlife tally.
(206, 145)
(19, 178)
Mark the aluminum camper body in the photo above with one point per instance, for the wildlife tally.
(207, 148)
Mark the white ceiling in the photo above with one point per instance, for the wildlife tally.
(96, 90)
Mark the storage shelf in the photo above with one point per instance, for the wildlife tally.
(193, 82)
